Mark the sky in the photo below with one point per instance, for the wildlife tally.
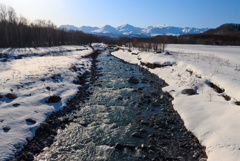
(139, 13)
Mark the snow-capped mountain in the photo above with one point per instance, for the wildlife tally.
(106, 29)
(131, 31)
(87, 29)
(170, 30)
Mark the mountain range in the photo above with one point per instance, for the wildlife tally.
(131, 31)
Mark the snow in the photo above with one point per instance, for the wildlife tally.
(207, 114)
(28, 78)
(212, 119)
(127, 56)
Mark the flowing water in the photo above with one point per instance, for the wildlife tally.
(121, 120)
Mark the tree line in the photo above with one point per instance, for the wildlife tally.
(156, 44)
(16, 31)
(151, 42)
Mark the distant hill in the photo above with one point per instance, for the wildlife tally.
(225, 29)
(132, 31)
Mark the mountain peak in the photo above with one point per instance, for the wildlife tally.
(106, 29)
(107, 26)
(68, 27)
(126, 25)
(161, 26)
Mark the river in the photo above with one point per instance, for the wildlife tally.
(123, 121)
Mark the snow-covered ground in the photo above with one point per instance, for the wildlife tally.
(215, 121)
(33, 78)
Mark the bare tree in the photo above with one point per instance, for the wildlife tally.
(164, 42)
(134, 42)
(3, 18)
(50, 28)
(12, 17)
(22, 23)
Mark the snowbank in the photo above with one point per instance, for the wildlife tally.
(207, 114)
(33, 78)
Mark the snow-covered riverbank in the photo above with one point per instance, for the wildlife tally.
(207, 114)
(33, 75)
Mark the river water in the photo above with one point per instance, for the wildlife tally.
(123, 121)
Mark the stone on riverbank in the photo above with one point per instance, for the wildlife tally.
(189, 91)
(53, 99)
(11, 96)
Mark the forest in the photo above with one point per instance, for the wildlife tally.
(17, 31)
(204, 39)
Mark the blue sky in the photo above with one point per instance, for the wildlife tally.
(139, 13)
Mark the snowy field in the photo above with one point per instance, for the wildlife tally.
(215, 121)
(33, 75)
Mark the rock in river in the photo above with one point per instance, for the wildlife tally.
(137, 134)
(134, 80)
